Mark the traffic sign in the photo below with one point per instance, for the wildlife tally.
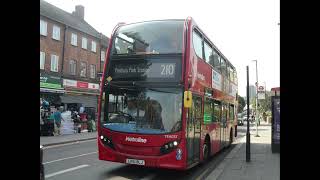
(261, 88)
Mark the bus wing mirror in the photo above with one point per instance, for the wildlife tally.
(187, 99)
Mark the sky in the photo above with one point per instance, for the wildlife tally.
(243, 30)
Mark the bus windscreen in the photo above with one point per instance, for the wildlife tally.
(154, 37)
(143, 110)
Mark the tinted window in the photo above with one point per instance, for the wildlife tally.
(231, 112)
(223, 66)
(208, 111)
(208, 53)
(228, 72)
(154, 37)
(235, 77)
(216, 60)
(217, 111)
(197, 44)
(231, 75)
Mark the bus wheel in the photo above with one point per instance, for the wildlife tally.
(206, 149)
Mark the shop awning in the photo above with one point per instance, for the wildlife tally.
(82, 92)
(52, 90)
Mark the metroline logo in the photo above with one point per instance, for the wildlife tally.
(133, 139)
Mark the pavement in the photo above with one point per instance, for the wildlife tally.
(264, 164)
(64, 139)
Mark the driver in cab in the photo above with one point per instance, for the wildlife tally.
(132, 109)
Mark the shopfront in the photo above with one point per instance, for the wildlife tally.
(51, 89)
(79, 93)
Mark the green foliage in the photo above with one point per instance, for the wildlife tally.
(264, 105)
(241, 103)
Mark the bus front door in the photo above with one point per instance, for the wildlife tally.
(194, 130)
(223, 128)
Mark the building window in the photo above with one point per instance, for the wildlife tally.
(43, 27)
(84, 43)
(83, 69)
(197, 44)
(54, 63)
(56, 32)
(42, 59)
(103, 56)
(92, 71)
(93, 46)
(73, 39)
(72, 67)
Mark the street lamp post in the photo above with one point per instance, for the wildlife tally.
(257, 114)
(248, 158)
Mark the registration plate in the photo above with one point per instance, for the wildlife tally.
(135, 161)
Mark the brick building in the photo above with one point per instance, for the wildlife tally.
(71, 55)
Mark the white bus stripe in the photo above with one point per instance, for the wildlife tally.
(69, 157)
(66, 170)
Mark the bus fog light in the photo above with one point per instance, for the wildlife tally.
(171, 145)
(101, 137)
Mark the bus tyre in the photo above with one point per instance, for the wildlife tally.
(206, 149)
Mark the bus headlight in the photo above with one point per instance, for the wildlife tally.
(168, 147)
(106, 141)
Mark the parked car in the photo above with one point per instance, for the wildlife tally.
(244, 117)
(41, 164)
(240, 119)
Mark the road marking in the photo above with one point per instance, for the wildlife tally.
(66, 170)
(65, 144)
(69, 157)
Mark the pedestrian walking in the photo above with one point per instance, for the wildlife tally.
(57, 120)
(76, 121)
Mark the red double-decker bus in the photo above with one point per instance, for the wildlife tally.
(168, 96)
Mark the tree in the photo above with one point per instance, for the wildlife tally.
(241, 103)
(264, 105)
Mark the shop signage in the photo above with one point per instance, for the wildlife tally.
(93, 86)
(48, 81)
(69, 83)
(80, 84)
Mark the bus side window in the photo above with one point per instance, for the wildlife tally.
(208, 52)
(217, 111)
(223, 67)
(208, 111)
(197, 44)
(231, 112)
(216, 61)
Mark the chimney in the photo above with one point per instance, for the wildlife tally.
(79, 12)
